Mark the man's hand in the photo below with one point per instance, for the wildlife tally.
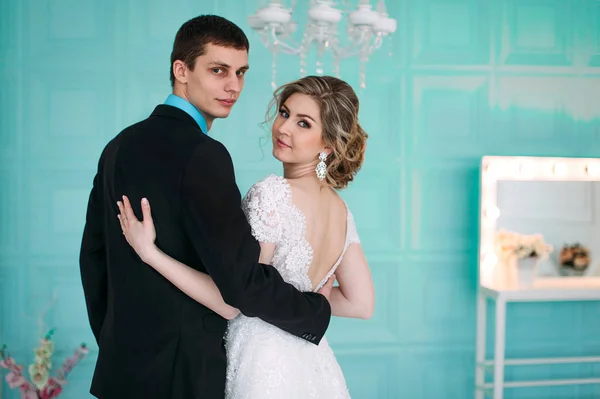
(326, 289)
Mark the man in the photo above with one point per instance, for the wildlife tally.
(154, 341)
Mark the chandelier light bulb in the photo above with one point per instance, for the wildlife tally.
(363, 16)
(385, 25)
(274, 13)
(325, 13)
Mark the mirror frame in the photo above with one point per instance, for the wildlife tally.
(523, 168)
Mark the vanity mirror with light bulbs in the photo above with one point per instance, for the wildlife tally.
(546, 203)
(539, 240)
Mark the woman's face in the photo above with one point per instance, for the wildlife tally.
(297, 131)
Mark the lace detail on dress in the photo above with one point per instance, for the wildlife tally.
(264, 362)
(274, 218)
(260, 207)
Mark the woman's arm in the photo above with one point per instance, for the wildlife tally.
(355, 296)
(197, 285)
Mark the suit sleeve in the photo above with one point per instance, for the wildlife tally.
(221, 235)
(92, 258)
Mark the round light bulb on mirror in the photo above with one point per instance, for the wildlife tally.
(593, 169)
(490, 260)
(490, 168)
(492, 212)
(560, 169)
(526, 169)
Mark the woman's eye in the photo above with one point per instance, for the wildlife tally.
(304, 124)
(283, 113)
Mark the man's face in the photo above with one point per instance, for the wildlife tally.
(216, 82)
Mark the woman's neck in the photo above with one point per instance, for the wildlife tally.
(296, 171)
(304, 174)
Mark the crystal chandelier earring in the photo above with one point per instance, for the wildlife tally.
(322, 166)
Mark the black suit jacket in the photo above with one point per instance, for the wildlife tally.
(154, 341)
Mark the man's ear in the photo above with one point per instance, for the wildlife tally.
(180, 71)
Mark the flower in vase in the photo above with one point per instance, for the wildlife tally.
(52, 390)
(29, 394)
(506, 243)
(510, 244)
(575, 256)
(15, 380)
(43, 357)
(46, 348)
(39, 370)
(44, 362)
(40, 384)
(581, 262)
(9, 363)
(39, 375)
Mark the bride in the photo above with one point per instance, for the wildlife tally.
(305, 230)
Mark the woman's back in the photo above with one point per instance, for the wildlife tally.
(326, 219)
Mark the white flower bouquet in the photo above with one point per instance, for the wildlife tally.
(510, 243)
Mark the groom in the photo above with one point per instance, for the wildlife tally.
(154, 341)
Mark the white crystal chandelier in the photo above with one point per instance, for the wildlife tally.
(366, 29)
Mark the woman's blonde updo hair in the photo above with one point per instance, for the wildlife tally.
(339, 115)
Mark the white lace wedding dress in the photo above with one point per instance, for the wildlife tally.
(264, 362)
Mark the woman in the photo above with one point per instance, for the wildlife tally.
(305, 230)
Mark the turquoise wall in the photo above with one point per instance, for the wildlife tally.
(465, 78)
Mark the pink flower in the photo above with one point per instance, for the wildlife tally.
(29, 394)
(8, 363)
(15, 380)
(51, 392)
(58, 381)
(27, 391)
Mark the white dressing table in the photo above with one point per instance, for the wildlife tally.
(557, 199)
(548, 290)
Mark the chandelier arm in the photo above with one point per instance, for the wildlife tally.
(369, 51)
(285, 47)
(378, 42)
(353, 49)
(263, 36)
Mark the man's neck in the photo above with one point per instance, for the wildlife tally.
(181, 93)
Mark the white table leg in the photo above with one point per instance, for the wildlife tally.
(499, 347)
(480, 346)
